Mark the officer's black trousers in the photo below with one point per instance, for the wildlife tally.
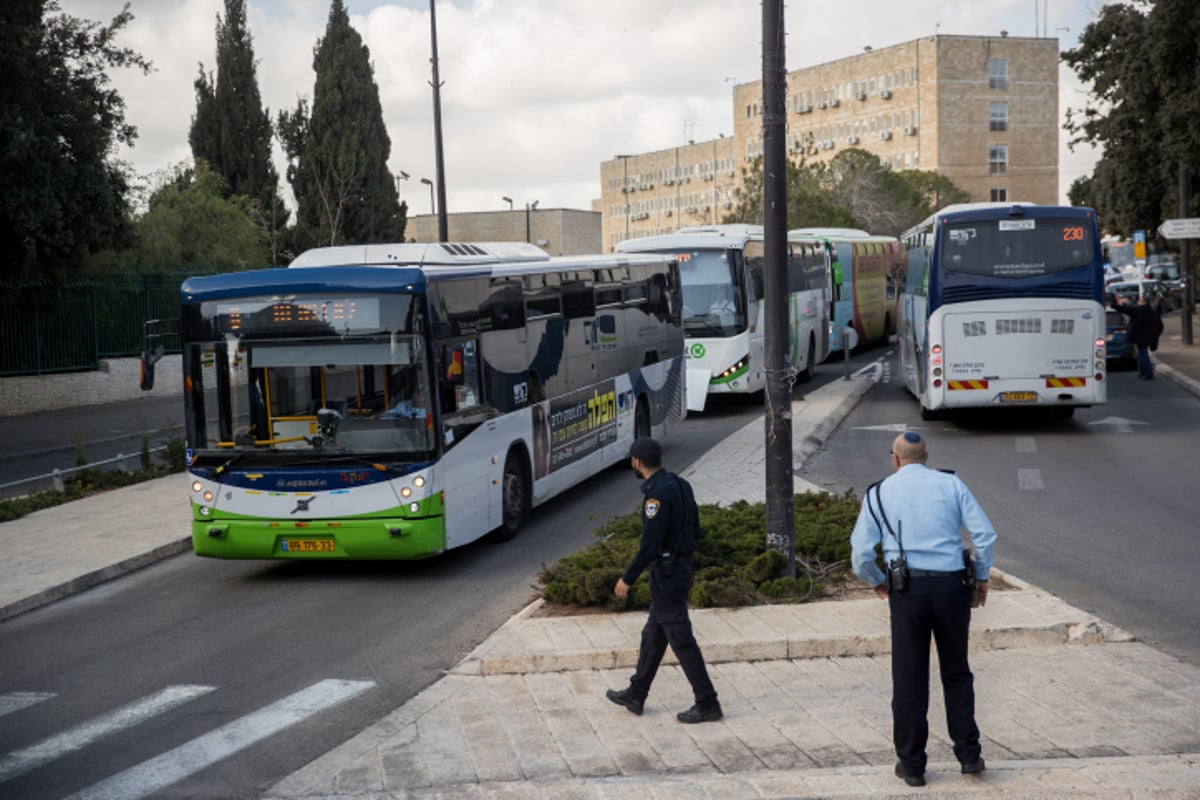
(668, 623)
(940, 606)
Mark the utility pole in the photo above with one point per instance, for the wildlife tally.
(1185, 255)
(780, 511)
(443, 222)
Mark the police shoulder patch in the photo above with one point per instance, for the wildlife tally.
(652, 506)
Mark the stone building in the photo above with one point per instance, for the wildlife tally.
(558, 231)
(981, 110)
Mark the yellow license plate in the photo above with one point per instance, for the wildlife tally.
(1018, 397)
(308, 546)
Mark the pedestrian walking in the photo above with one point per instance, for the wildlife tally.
(670, 524)
(931, 584)
(1145, 326)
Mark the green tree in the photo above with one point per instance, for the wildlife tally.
(231, 130)
(337, 154)
(809, 204)
(1142, 62)
(191, 222)
(62, 194)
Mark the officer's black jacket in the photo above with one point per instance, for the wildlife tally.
(662, 523)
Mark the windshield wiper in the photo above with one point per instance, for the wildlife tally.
(376, 465)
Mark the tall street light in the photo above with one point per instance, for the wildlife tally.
(432, 207)
(529, 207)
(443, 224)
(509, 201)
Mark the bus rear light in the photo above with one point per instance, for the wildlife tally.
(937, 384)
(936, 360)
(936, 349)
(1099, 376)
(1100, 343)
(937, 371)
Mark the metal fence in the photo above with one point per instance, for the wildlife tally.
(47, 328)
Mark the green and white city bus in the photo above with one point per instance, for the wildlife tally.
(397, 401)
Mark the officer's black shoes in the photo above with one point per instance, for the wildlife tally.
(973, 767)
(625, 698)
(910, 778)
(699, 713)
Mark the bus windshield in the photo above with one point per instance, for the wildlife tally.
(1016, 248)
(713, 302)
(337, 376)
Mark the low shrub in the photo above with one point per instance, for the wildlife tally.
(733, 565)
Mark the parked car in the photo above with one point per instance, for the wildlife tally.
(1156, 293)
(1117, 348)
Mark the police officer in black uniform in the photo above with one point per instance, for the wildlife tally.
(669, 526)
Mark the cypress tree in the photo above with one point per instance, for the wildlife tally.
(337, 155)
(231, 130)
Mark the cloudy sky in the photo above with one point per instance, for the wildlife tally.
(536, 93)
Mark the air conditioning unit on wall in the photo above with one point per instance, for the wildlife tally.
(885, 94)
(885, 135)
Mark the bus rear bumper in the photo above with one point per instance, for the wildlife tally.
(377, 538)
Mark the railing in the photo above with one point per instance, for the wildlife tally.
(47, 328)
(56, 476)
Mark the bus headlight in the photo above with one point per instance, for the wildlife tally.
(414, 507)
(208, 497)
(419, 481)
(406, 492)
(197, 486)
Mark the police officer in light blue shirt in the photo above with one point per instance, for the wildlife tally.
(917, 515)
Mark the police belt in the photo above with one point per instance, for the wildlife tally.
(934, 573)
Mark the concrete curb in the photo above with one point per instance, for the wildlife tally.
(95, 578)
(1175, 376)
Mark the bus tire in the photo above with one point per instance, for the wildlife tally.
(514, 497)
(930, 414)
(810, 368)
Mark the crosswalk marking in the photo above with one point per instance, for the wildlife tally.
(203, 751)
(1030, 479)
(15, 701)
(126, 716)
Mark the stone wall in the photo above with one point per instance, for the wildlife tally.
(116, 380)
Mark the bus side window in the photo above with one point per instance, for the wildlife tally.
(458, 373)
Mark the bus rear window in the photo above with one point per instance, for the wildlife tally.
(1017, 248)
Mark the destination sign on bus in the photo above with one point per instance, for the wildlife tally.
(339, 313)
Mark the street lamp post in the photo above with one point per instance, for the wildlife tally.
(439, 161)
(529, 207)
(432, 207)
(509, 201)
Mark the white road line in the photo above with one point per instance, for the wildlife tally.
(15, 701)
(1030, 479)
(191, 757)
(1025, 444)
(21, 761)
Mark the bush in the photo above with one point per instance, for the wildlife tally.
(733, 565)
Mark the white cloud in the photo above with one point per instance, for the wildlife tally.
(536, 93)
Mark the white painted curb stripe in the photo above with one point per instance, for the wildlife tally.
(191, 757)
(15, 701)
(80, 736)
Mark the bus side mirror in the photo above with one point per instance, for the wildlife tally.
(147, 361)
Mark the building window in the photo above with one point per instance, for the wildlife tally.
(999, 195)
(998, 159)
(997, 73)
(998, 116)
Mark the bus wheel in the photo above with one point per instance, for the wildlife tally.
(928, 414)
(810, 368)
(514, 498)
(641, 419)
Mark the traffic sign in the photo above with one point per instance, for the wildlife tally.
(1180, 228)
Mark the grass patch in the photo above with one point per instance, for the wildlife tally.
(733, 565)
